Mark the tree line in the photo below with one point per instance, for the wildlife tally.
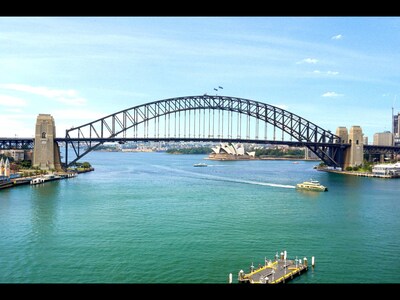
(194, 150)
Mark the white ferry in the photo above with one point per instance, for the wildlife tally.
(387, 169)
(312, 185)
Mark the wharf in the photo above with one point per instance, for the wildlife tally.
(34, 180)
(359, 174)
(15, 182)
(278, 271)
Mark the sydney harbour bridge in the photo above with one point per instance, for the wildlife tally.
(203, 118)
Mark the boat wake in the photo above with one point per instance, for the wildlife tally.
(219, 178)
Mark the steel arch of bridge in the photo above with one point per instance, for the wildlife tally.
(323, 143)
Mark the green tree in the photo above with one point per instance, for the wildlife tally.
(86, 165)
(194, 150)
(25, 164)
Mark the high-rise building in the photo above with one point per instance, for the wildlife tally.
(396, 129)
(383, 138)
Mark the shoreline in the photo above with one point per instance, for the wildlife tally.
(263, 158)
(359, 174)
(27, 180)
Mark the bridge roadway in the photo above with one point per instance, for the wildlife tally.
(15, 143)
(82, 145)
(19, 143)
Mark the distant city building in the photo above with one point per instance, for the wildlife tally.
(308, 154)
(396, 125)
(396, 129)
(29, 155)
(18, 154)
(365, 140)
(396, 141)
(383, 139)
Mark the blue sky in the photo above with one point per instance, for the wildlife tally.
(333, 71)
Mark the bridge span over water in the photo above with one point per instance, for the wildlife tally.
(202, 118)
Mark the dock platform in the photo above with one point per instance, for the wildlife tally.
(275, 271)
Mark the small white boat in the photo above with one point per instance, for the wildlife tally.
(37, 180)
(312, 185)
(45, 178)
(200, 165)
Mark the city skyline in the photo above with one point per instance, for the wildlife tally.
(332, 71)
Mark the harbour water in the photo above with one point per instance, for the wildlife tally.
(154, 218)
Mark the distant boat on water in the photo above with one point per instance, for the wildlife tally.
(200, 165)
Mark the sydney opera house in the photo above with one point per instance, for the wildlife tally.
(228, 151)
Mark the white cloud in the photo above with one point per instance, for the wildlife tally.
(332, 73)
(70, 97)
(11, 101)
(331, 94)
(337, 37)
(325, 73)
(14, 110)
(308, 61)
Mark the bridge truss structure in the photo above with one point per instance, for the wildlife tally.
(16, 143)
(205, 118)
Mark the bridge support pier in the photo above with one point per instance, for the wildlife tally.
(46, 152)
(353, 155)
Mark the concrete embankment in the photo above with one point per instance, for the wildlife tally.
(359, 174)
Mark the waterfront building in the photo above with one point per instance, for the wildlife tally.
(1, 167)
(309, 155)
(383, 138)
(387, 169)
(230, 151)
(17, 155)
(28, 155)
(5, 169)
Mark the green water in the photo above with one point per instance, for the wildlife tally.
(154, 218)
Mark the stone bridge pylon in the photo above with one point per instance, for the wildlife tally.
(46, 152)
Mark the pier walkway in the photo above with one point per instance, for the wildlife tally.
(277, 271)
